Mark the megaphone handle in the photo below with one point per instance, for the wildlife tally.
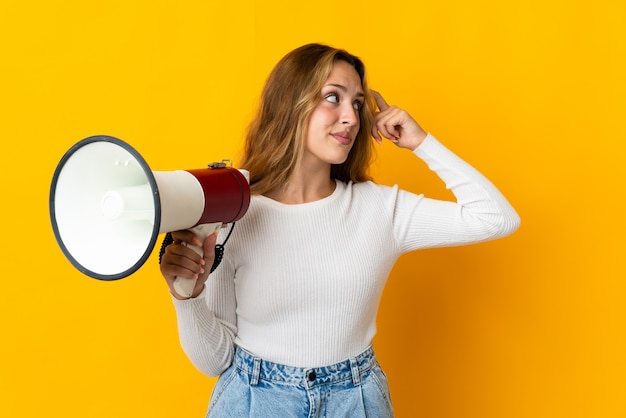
(183, 286)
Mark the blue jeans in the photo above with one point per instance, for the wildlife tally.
(252, 387)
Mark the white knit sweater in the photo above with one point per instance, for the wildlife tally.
(300, 284)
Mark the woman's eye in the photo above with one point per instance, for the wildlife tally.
(333, 98)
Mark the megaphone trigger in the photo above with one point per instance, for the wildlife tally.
(183, 286)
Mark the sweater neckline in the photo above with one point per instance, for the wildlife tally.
(340, 186)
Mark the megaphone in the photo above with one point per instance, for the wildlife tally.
(107, 207)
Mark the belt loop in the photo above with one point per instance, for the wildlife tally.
(356, 374)
(256, 371)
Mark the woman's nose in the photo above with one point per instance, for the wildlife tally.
(349, 115)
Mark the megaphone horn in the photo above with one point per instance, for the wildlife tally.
(107, 207)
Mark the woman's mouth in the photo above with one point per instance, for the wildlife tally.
(342, 137)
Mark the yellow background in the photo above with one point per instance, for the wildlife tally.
(532, 93)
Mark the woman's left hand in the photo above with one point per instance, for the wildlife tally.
(396, 125)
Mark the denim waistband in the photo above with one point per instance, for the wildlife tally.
(260, 369)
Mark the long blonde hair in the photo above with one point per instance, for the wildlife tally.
(275, 140)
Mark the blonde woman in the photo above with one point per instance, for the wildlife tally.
(288, 317)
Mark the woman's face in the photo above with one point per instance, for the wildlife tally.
(335, 121)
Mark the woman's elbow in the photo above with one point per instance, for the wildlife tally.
(212, 366)
(507, 223)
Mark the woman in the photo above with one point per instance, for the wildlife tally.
(288, 318)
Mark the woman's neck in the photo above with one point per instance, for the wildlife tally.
(304, 188)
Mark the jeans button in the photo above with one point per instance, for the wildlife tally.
(312, 376)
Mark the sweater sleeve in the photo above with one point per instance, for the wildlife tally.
(480, 212)
(207, 324)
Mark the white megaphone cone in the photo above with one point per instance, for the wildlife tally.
(107, 207)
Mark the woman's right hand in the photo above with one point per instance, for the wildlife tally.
(181, 260)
